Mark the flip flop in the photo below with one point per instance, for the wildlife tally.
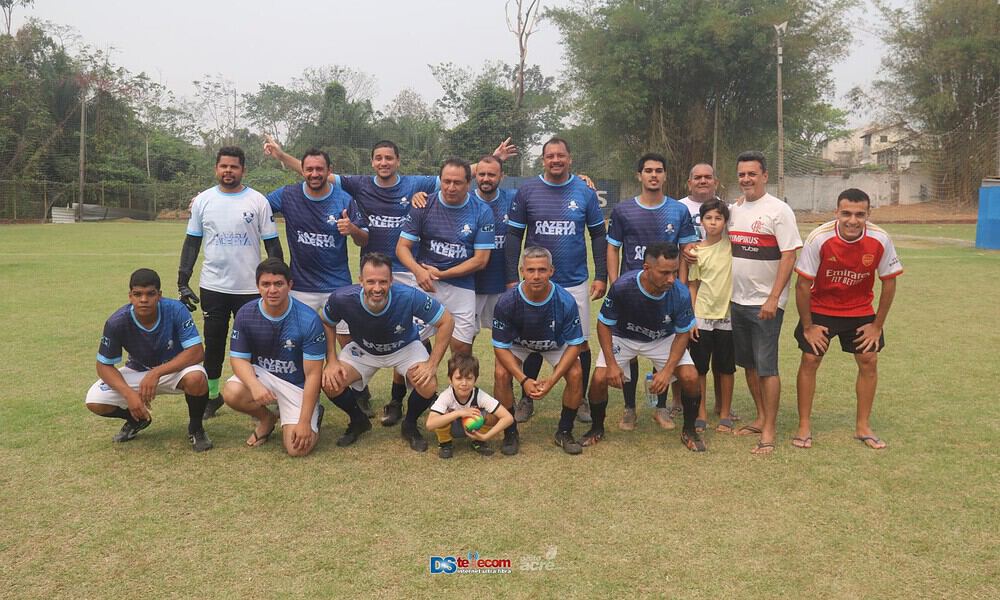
(872, 442)
(700, 425)
(762, 448)
(256, 441)
(725, 426)
(748, 430)
(804, 443)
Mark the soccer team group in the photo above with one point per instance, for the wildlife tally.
(696, 285)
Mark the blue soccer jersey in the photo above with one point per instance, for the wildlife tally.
(634, 226)
(539, 326)
(318, 251)
(492, 279)
(385, 208)
(278, 344)
(554, 216)
(449, 235)
(633, 313)
(389, 330)
(173, 332)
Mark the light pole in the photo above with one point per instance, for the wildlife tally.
(779, 30)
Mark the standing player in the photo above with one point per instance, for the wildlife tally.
(453, 235)
(764, 238)
(164, 352)
(650, 217)
(552, 212)
(538, 315)
(230, 221)
(277, 354)
(491, 281)
(647, 313)
(834, 294)
(380, 314)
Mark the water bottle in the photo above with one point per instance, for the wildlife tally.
(651, 397)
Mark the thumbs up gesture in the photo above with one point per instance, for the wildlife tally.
(344, 225)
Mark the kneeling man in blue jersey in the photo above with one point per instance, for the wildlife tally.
(453, 234)
(647, 313)
(164, 356)
(538, 316)
(277, 351)
(380, 315)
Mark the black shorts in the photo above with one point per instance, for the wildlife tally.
(844, 327)
(715, 346)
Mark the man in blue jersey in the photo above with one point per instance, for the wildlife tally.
(380, 314)
(453, 236)
(647, 313)
(650, 217)
(164, 352)
(230, 221)
(492, 281)
(553, 211)
(538, 315)
(277, 351)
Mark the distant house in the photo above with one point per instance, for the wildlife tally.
(889, 146)
(844, 151)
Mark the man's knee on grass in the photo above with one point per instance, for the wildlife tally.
(194, 383)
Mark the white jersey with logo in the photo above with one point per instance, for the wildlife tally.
(759, 232)
(694, 207)
(231, 227)
(446, 401)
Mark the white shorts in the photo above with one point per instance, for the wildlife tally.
(581, 293)
(551, 356)
(316, 301)
(289, 397)
(460, 302)
(485, 303)
(102, 393)
(658, 352)
(368, 364)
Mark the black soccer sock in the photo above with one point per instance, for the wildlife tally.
(398, 393)
(690, 404)
(566, 419)
(196, 410)
(628, 388)
(347, 401)
(532, 367)
(598, 412)
(585, 363)
(512, 428)
(120, 413)
(415, 406)
(661, 400)
(427, 346)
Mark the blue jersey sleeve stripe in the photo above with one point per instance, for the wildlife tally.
(690, 239)
(314, 356)
(268, 237)
(596, 223)
(322, 315)
(606, 321)
(614, 242)
(484, 246)
(191, 342)
(437, 317)
(108, 361)
(503, 345)
(410, 236)
(685, 329)
(243, 355)
(576, 342)
(194, 233)
(511, 223)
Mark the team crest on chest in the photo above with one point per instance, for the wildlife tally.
(404, 201)
(331, 219)
(170, 344)
(670, 228)
(248, 216)
(289, 345)
(466, 230)
(573, 205)
(399, 329)
(757, 226)
(868, 260)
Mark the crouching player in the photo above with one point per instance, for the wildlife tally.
(164, 352)
(464, 399)
(647, 313)
(276, 350)
(538, 316)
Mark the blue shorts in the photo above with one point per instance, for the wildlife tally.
(756, 341)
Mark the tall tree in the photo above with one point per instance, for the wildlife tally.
(7, 6)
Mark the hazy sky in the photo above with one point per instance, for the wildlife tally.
(255, 41)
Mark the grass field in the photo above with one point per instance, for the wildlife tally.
(636, 515)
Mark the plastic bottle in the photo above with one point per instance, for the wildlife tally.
(651, 398)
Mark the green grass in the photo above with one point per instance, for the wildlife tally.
(636, 515)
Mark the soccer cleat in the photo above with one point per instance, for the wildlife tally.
(525, 408)
(693, 441)
(511, 444)
(628, 420)
(583, 412)
(353, 432)
(131, 429)
(365, 403)
(392, 413)
(564, 439)
(412, 435)
(663, 418)
(483, 448)
(592, 437)
(213, 406)
(199, 441)
(446, 450)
